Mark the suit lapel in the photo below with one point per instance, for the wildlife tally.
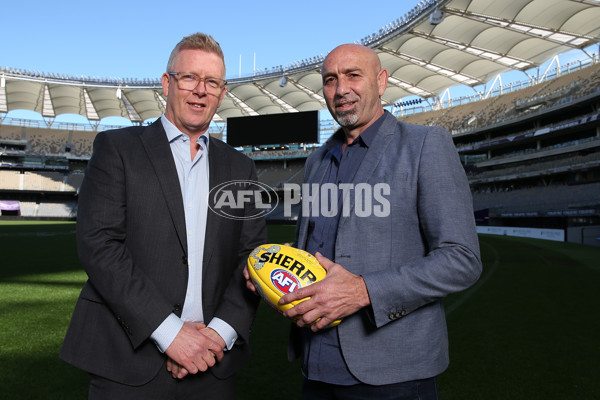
(316, 175)
(219, 172)
(376, 150)
(372, 159)
(157, 146)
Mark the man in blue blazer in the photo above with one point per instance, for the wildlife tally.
(402, 239)
(165, 313)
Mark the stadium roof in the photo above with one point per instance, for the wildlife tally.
(437, 45)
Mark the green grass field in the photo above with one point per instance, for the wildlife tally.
(528, 329)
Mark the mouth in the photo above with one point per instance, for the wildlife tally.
(344, 105)
(197, 106)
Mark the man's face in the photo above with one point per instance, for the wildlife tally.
(192, 110)
(353, 83)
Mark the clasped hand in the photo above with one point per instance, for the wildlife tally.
(195, 349)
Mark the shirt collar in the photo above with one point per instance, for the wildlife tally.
(173, 133)
(364, 139)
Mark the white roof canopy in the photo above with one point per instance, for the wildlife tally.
(439, 44)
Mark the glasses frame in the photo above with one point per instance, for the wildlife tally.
(208, 87)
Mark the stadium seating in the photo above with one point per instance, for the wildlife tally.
(508, 168)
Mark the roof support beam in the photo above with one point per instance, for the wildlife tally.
(90, 111)
(309, 92)
(48, 106)
(3, 102)
(552, 35)
(281, 103)
(238, 102)
(505, 60)
(437, 69)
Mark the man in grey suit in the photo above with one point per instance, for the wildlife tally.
(389, 267)
(165, 313)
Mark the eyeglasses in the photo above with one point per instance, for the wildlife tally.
(190, 81)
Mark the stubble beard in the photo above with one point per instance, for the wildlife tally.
(347, 118)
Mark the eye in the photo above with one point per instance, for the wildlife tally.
(213, 82)
(189, 77)
(328, 80)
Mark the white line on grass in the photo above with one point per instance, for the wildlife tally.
(479, 283)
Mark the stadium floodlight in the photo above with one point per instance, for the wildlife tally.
(436, 17)
(283, 81)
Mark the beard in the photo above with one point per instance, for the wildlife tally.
(347, 118)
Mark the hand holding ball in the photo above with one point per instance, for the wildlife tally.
(277, 270)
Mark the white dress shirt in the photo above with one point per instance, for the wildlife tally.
(193, 179)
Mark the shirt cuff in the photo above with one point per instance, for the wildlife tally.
(224, 330)
(164, 335)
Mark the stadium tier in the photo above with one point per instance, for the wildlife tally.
(531, 155)
(530, 149)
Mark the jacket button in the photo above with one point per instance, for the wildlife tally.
(184, 260)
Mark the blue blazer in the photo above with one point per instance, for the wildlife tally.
(131, 240)
(410, 260)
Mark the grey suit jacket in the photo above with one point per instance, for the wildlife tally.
(410, 260)
(132, 243)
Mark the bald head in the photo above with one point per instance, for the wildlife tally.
(353, 51)
(353, 83)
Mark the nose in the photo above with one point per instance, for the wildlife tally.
(200, 87)
(342, 88)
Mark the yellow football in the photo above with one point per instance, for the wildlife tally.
(277, 270)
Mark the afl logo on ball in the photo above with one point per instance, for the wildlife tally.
(284, 281)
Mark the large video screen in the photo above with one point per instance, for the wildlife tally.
(286, 128)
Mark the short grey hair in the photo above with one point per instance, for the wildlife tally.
(196, 41)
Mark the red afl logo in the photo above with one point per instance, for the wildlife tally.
(284, 281)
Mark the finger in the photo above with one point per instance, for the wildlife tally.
(321, 323)
(191, 368)
(309, 318)
(176, 371)
(324, 261)
(217, 352)
(250, 285)
(198, 325)
(182, 373)
(298, 294)
(204, 362)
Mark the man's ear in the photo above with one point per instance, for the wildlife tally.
(382, 80)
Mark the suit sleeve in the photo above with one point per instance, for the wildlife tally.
(102, 238)
(446, 232)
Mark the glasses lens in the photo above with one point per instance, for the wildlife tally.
(191, 81)
(187, 81)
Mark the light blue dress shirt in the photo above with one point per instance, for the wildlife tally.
(193, 179)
